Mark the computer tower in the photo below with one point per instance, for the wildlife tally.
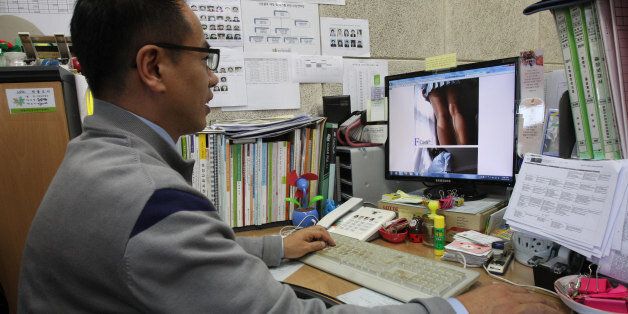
(361, 174)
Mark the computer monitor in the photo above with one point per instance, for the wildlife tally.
(454, 127)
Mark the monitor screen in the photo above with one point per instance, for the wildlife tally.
(455, 125)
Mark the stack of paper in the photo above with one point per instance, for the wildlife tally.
(579, 204)
(263, 127)
(403, 197)
(473, 245)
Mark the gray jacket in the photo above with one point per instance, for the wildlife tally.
(121, 230)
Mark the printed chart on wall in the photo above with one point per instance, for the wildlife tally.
(290, 27)
(345, 37)
(49, 16)
(221, 21)
(231, 87)
(269, 84)
(363, 80)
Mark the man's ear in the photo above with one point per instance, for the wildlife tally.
(148, 59)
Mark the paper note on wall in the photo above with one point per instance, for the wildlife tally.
(269, 84)
(345, 37)
(359, 79)
(285, 27)
(532, 105)
(317, 69)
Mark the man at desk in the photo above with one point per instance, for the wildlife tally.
(121, 229)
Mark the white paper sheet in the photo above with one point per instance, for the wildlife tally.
(614, 265)
(284, 270)
(317, 69)
(367, 298)
(532, 105)
(569, 201)
(221, 21)
(555, 86)
(358, 80)
(345, 37)
(268, 83)
(377, 110)
(231, 88)
(273, 26)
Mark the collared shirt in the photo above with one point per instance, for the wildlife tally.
(159, 130)
(458, 306)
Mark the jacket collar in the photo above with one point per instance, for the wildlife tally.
(111, 119)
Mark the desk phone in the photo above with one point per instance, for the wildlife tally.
(356, 221)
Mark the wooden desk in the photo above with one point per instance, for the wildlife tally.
(323, 282)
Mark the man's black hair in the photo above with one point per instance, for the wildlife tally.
(106, 35)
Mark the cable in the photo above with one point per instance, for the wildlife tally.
(464, 259)
(288, 230)
(520, 285)
(369, 203)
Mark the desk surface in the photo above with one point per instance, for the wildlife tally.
(323, 282)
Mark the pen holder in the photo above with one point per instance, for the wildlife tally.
(304, 217)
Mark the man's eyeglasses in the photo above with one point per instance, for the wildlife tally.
(213, 54)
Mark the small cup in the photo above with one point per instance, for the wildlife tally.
(15, 59)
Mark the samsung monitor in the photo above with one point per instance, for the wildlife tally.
(454, 127)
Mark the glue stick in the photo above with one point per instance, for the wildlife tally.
(439, 235)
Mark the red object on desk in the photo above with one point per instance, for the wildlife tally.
(393, 237)
(593, 285)
(610, 305)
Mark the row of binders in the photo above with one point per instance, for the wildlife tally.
(593, 37)
(246, 180)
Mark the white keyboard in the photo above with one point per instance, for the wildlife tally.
(397, 274)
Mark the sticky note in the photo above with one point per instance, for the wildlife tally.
(441, 62)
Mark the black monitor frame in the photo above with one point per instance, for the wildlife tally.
(462, 183)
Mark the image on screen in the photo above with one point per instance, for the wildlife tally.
(457, 125)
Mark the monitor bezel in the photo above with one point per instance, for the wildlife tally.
(469, 66)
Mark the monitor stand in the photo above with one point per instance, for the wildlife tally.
(469, 191)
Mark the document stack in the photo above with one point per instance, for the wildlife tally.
(579, 204)
(263, 127)
(470, 248)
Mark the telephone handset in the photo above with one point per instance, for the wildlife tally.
(357, 222)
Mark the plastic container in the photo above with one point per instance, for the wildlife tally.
(304, 217)
(393, 237)
(416, 230)
(15, 59)
(428, 223)
(528, 246)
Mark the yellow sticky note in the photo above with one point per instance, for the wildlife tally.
(441, 62)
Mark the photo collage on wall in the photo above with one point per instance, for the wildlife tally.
(345, 37)
(224, 74)
(221, 22)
